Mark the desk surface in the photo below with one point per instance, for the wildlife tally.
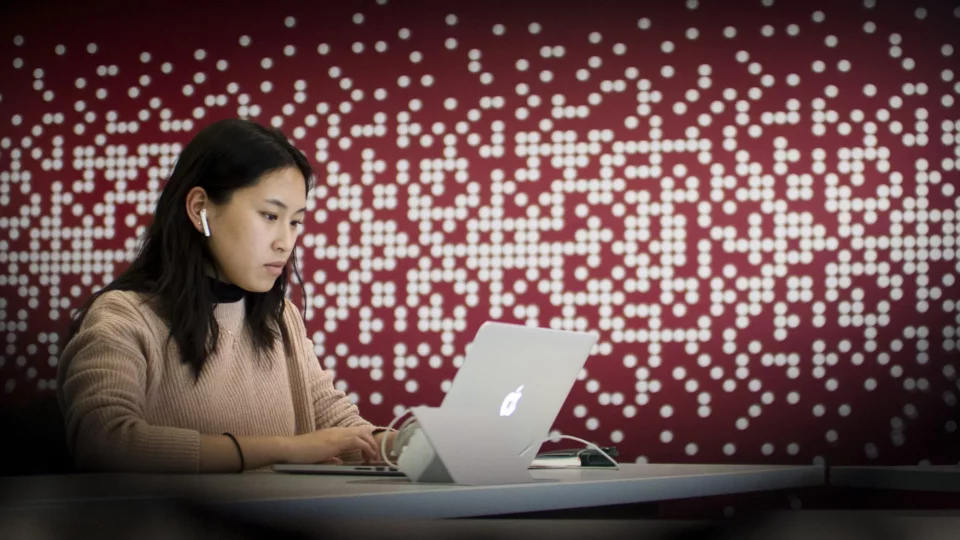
(276, 495)
(918, 478)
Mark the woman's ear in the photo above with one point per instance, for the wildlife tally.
(197, 200)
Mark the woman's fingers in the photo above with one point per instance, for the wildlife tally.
(374, 444)
(367, 446)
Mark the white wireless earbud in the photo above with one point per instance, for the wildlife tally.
(203, 219)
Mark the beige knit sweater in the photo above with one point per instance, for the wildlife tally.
(131, 404)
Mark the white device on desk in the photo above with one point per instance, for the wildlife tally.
(512, 384)
(518, 378)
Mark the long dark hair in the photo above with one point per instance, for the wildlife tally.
(169, 267)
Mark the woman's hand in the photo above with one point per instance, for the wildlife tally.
(391, 436)
(324, 445)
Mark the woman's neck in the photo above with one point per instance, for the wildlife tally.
(225, 293)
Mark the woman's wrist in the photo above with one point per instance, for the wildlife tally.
(379, 438)
(285, 448)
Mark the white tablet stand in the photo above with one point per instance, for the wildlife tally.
(454, 446)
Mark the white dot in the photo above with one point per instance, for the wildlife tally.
(289, 22)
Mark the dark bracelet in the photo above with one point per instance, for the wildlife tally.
(379, 431)
(239, 450)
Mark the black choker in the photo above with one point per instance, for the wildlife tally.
(225, 293)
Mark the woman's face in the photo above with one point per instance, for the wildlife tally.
(253, 235)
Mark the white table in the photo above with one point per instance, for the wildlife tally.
(276, 496)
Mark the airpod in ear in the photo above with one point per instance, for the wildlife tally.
(203, 220)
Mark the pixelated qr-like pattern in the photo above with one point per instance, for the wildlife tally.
(752, 203)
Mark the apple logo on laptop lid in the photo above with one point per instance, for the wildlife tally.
(509, 404)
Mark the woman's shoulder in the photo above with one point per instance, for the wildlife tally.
(291, 314)
(119, 300)
(122, 318)
(122, 308)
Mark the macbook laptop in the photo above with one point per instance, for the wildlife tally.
(517, 376)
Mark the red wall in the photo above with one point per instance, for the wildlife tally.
(753, 203)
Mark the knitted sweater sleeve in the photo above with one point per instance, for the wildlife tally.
(101, 389)
(332, 407)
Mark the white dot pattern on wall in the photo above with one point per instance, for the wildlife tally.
(759, 219)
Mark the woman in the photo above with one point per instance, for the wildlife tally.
(193, 360)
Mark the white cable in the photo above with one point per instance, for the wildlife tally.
(588, 443)
(383, 440)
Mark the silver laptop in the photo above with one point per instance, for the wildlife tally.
(518, 376)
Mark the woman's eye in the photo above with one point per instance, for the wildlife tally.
(296, 223)
(270, 217)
